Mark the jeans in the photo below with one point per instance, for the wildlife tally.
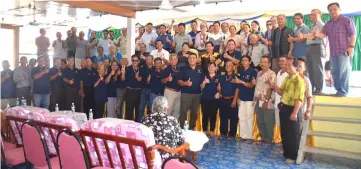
(120, 100)
(341, 70)
(144, 101)
(41, 100)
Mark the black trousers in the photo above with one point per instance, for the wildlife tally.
(290, 131)
(88, 100)
(57, 97)
(24, 92)
(132, 101)
(99, 109)
(226, 113)
(209, 112)
(72, 96)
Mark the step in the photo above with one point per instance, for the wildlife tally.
(336, 119)
(338, 105)
(335, 135)
(333, 152)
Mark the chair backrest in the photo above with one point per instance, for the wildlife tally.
(116, 156)
(35, 149)
(15, 127)
(178, 162)
(69, 142)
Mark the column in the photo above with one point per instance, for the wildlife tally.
(130, 39)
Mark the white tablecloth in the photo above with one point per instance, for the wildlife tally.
(79, 117)
(195, 139)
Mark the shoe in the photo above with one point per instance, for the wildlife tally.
(259, 142)
(289, 161)
(338, 95)
(267, 143)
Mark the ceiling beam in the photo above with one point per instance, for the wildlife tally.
(99, 6)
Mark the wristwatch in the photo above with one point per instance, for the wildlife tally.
(266, 100)
(242, 82)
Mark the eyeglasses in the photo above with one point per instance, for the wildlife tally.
(135, 60)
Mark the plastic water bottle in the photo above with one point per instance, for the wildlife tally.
(72, 107)
(56, 107)
(185, 127)
(23, 102)
(7, 106)
(17, 102)
(90, 114)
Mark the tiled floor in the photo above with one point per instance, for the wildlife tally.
(225, 154)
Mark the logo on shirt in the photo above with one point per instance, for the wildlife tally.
(199, 71)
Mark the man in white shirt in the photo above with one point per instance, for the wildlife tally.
(225, 27)
(216, 36)
(160, 52)
(281, 76)
(59, 46)
(105, 42)
(149, 37)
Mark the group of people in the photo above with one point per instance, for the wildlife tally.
(237, 73)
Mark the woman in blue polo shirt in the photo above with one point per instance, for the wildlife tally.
(100, 93)
(209, 100)
(156, 85)
(112, 80)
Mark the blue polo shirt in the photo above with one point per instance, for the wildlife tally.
(175, 73)
(144, 73)
(41, 85)
(195, 76)
(210, 89)
(8, 86)
(227, 87)
(163, 38)
(156, 86)
(182, 60)
(58, 81)
(235, 54)
(99, 59)
(121, 84)
(193, 35)
(246, 94)
(100, 92)
(300, 48)
(88, 76)
(131, 82)
(72, 74)
(112, 85)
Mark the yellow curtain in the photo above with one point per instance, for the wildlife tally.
(256, 136)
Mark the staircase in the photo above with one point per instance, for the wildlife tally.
(332, 152)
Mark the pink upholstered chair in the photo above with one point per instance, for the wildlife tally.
(35, 149)
(70, 143)
(178, 163)
(11, 156)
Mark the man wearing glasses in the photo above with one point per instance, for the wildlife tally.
(133, 82)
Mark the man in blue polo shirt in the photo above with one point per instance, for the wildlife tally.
(41, 88)
(167, 39)
(247, 74)
(172, 88)
(231, 54)
(57, 86)
(71, 80)
(88, 76)
(156, 85)
(228, 102)
(134, 85)
(145, 93)
(190, 80)
(7, 86)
